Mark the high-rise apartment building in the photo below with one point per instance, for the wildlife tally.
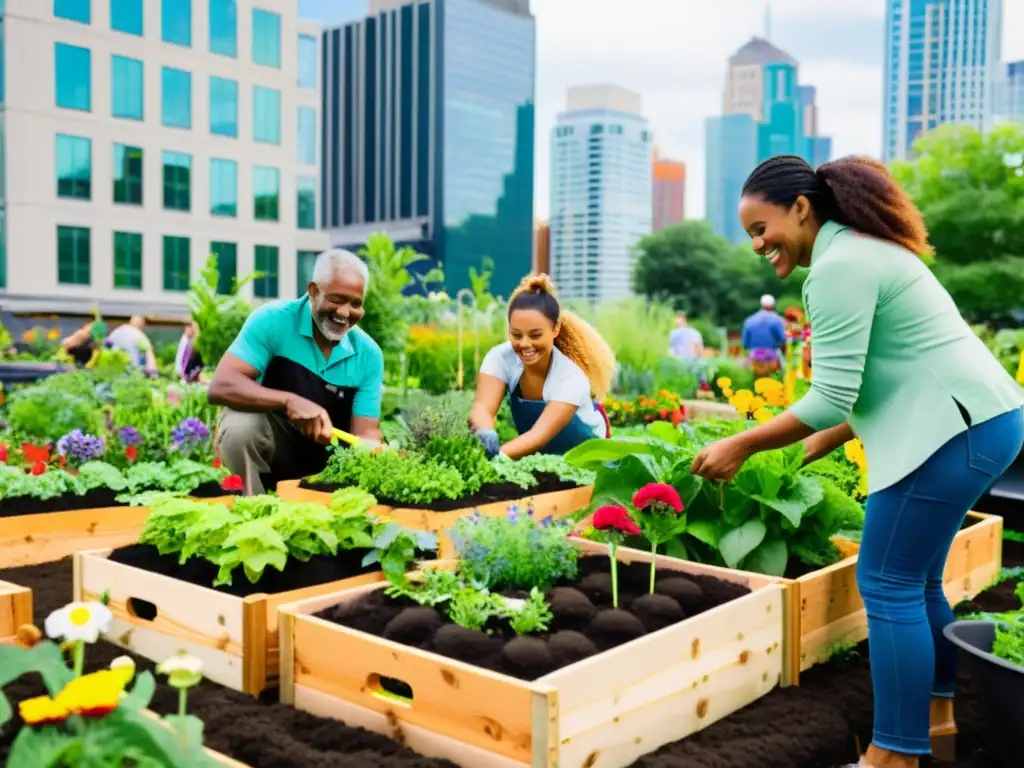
(766, 113)
(669, 192)
(428, 133)
(140, 137)
(1008, 101)
(942, 60)
(601, 155)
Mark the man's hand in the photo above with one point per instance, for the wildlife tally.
(310, 418)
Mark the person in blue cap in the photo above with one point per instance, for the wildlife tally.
(555, 369)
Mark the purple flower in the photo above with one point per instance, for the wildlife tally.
(189, 434)
(80, 447)
(129, 436)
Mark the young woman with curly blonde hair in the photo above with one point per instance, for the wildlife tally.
(555, 369)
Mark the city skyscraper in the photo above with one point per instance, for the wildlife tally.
(138, 141)
(669, 192)
(428, 133)
(1008, 101)
(600, 191)
(766, 112)
(942, 60)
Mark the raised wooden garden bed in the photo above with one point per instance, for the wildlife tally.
(50, 536)
(155, 616)
(831, 612)
(703, 410)
(605, 710)
(15, 610)
(557, 504)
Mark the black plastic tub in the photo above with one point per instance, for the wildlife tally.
(998, 684)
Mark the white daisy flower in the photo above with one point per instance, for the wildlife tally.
(79, 622)
(182, 670)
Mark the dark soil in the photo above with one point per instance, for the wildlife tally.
(488, 494)
(814, 726)
(584, 624)
(96, 499)
(319, 569)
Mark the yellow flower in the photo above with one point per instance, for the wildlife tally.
(53, 334)
(724, 382)
(762, 415)
(763, 386)
(854, 450)
(97, 694)
(42, 710)
(727, 392)
(79, 622)
(756, 404)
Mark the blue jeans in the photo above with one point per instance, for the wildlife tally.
(908, 530)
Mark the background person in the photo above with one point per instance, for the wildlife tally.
(187, 362)
(297, 370)
(684, 342)
(131, 339)
(552, 367)
(895, 362)
(764, 338)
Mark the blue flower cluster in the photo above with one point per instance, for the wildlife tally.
(79, 447)
(129, 436)
(189, 434)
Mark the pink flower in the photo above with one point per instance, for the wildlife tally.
(3, 453)
(131, 453)
(658, 493)
(615, 518)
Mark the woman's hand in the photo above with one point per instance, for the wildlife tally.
(721, 460)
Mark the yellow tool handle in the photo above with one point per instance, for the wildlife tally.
(343, 435)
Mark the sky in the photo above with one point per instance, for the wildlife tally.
(674, 54)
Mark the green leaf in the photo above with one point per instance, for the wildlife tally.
(142, 691)
(663, 430)
(598, 451)
(44, 658)
(740, 542)
(676, 548)
(618, 486)
(708, 531)
(42, 748)
(770, 558)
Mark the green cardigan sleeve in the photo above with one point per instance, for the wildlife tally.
(841, 295)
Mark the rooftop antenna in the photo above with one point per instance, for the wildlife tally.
(768, 21)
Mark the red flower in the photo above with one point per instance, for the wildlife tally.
(62, 461)
(131, 453)
(232, 483)
(658, 493)
(38, 467)
(3, 453)
(677, 416)
(34, 453)
(663, 414)
(614, 518)
(216, 463)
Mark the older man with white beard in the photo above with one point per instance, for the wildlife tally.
(297, 370)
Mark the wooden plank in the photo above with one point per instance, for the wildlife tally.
(628, 702)
(975, 559)
(50, 536)
(15, 609)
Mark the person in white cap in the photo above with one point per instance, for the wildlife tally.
(764, 337)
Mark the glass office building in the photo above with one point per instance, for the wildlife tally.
(428, 124)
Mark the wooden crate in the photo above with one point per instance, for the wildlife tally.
(703, 410)
(557, 504)
(50, 536)
(236, 638)
(607, 710)
(15, 610)
(830, 607)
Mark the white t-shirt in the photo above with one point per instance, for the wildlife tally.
(131, 340)
(566, 382)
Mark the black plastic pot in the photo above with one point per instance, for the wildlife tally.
(26, 372)
(998, 684)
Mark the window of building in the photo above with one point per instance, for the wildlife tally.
(307, 62)
(74, 167)
(177, 181)
(265, 287)
(176, 263)
(72, 68)
(266, 38)
(223, 107)
(73, 10)
(223, 187)
(176, 95)
(126, 88)
(128, 260)
(266, 113)
(127, 174)
(227, 265)
(306, 202)
(304, 263)
(176, 22)
(266, 190)
(73, 255)
(307, 135)
(224, 27)
(126, 16)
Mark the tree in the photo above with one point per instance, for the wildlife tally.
(697, 271)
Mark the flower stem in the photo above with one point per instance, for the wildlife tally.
(654, 561)
(615, 574)
(79, 656)
(182, 701)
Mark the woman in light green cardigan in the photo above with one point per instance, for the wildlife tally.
(895, 364)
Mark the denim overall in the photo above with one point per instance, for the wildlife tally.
(526, 412)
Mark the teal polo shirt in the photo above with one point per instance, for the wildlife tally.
(277, 340)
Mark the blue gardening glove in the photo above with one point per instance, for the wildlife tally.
(489, 439)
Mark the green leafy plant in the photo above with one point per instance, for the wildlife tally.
(220, 314)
